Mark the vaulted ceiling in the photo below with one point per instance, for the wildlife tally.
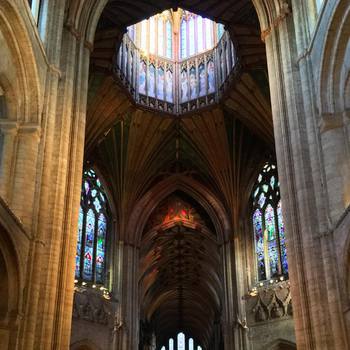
(221, 148)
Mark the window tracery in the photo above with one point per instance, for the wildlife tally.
(92, 230)
(170, 62)
(267, 217)
(35, 6)
(181, 342)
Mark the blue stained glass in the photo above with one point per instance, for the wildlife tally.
(282, 238)
(100, 248)
(93, 192)
(97, 204)
(183, 39)
(201, 73)
(272, 181)
(192, 37)
(142, 77)
(152, 81)
(262, 200)
(87, 187)
(211, 77)
(259, 244)
(220, 30)
(193, 83)
(160, 84)
(89, 245)
(171, 344)
(169, 40)
(78, 251)
(270, 230)
(169, 86)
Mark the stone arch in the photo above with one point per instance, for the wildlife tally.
(333, 100)
(9, 290)
(280, 344)
(150, 200)
(334, 74)
(84, 344)
(18, 72)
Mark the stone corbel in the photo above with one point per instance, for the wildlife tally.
(330, 121)
(284, 11)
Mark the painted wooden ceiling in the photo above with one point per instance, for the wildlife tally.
(222, 148)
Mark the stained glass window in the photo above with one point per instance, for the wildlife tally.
(169, 40)
(181, 341)
(35, 8)
(208, 34)
(160, 37)
(183, 39)
(152, 35)
(190, 344)
(192, 37)
(92, 231)
(143, 34)
(171, 344)
(200, 39)
(268, 226)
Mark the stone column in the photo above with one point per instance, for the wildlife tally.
(315, 305)
(8, 130)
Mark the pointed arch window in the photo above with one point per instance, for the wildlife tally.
(92, 230)
(192, 37)
(169, 39)
(35, 6)
(183, 38)
(267, 217)
(160, 36)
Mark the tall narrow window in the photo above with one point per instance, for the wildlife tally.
(143, 35)
(200, 38)
(190, 344)
(160, 37)
(92, 230)
(183, 38)
(171, 344)
(208, 34)
(181, 341)
(169, 40)
(192, 38)
(268, 225)
(152, 35)
(220, 28)
(35, 9)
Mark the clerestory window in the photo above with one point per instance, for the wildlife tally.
(92, 230)
(270, 245)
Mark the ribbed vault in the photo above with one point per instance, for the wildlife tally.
(181, 285)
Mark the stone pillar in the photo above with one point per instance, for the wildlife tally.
(310, 255)
(8, 136)
(126, 291)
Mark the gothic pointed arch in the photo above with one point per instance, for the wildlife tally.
(23, 92)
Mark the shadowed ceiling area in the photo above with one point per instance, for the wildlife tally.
(220, 148)
(180, 277)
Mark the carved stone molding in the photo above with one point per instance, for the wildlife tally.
(269, 303)
(91, 306)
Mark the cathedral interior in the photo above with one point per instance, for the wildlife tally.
(174, 174)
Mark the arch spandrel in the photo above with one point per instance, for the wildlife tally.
(24, 94)
(200, 193)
